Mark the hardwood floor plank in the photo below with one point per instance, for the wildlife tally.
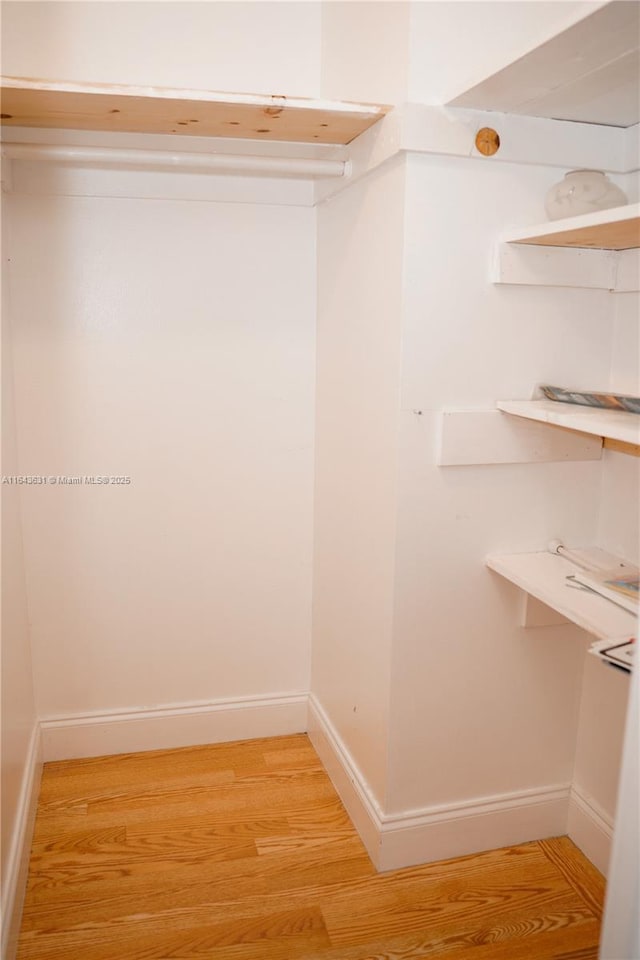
(268, 936)
(203, 883)
(298, 758)
(162, 762)
(79, 841)
(79, 870)
(582, 875)
(285, 794)
(446, 905)
(547, 944)
(301, 841)
(244, 852)
(507, 866)
(56, 795)
(158, 835)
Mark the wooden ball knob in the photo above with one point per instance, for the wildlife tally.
(487, 141)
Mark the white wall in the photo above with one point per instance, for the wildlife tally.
(480, 706)
(605, 691)
(456, 44)
(436, 695)
(360, 249)
(171, 342)
(374, 68)
(249, 47)
(619, 516)
(19, 753)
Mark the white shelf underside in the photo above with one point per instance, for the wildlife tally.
(610, 424)
(543, 576)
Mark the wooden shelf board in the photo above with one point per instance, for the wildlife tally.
(39, 103)
(615, 229)
(543, 576)
(609, 424)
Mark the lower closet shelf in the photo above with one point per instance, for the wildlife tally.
(543, 576)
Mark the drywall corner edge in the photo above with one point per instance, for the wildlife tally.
(346, 778)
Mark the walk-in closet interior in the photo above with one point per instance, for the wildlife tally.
(282, 282)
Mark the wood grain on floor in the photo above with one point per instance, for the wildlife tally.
(243, 851)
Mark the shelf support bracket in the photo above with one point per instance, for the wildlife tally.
(536, 265)
(535, 613)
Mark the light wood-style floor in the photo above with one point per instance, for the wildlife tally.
(243, 851)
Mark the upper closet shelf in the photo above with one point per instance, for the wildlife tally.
(610, 424)
(586, 73)
(615, 229)
(38, 103)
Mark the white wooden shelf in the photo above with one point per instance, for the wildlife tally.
(543, 576)
(615, 229)
(587, 73)
(473, 437)
(40, 103)
(615, 425)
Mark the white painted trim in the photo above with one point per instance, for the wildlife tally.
(484, 823)
(529, 140)
(590, 827)
(17, 869)
(439, 832)
(173, 725)
(451, 131)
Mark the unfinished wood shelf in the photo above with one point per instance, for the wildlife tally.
(40, 103)
(615, 229)
(619, 429)
(543, 576)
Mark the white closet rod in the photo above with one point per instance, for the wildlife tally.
(180, 162)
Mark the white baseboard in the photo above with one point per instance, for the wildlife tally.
(17, 868)
(485, 823)
(346, 777)
(435, 833)
(590, 827)
(175, 725)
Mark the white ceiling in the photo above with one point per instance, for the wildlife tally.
(589, 73)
